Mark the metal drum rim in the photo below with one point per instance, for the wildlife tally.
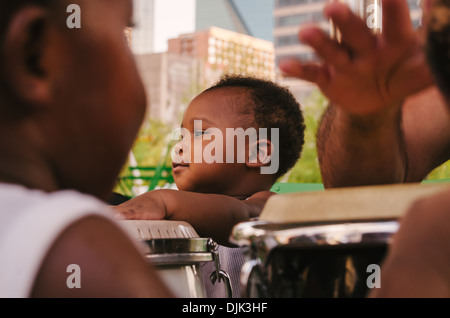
(313, 234)
(178, 245)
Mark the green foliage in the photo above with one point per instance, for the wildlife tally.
(152, 143)
(307, 168)
(151, 149)
(440, 173)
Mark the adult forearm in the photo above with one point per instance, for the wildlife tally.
(357, 150)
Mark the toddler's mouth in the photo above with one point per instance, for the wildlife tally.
(179, 166)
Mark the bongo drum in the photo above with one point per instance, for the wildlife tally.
(323, 244)
(177, 251)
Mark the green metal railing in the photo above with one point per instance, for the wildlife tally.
(150, 177)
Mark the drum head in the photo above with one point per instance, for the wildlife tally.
(149, 230)
(170, 242)
(347, 204)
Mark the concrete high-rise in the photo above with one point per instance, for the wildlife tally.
(158, 20)
(225, 51)
(251, 17)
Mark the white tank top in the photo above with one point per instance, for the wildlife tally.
(30, 222)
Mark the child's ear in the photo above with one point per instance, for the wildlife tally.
(260, 153)
(25, 45)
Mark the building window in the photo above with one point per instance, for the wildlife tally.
(304, 57)
(288, 3)
(286, 40)
(298, 19)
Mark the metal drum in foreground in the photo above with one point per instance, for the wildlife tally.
(334, 259)
(177, 252)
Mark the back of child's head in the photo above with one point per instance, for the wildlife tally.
(273, 106)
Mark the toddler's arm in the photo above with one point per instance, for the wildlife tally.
(212, 215)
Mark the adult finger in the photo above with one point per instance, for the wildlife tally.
(354, 31)
(307, 71)
(397, 24)
(329, 50)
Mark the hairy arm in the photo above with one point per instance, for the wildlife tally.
(358, 150)
(212, 215)
(398, 145)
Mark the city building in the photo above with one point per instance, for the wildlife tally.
(251, 17)
(225, 51)
(171, 82)
(142, 34)
(155, 21)
(288, 16)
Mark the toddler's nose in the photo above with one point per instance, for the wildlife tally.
(179, 149)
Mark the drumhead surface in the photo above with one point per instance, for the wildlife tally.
(160, 229)
(341, 204)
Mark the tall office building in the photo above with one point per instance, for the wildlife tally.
(251, 17)
(142, 35)
(158, 20)
(171, 82)
(225, 51)
(289, 15)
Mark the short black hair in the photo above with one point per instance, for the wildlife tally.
(438, 46)
(274, 106)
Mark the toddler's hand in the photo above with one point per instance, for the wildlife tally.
(148, 206)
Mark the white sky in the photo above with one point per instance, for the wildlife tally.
(173, 17)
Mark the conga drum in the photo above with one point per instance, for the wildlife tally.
(323, 244)
(177, 252)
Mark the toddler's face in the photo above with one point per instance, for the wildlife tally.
(207, 118)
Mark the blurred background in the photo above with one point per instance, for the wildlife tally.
(183, 46)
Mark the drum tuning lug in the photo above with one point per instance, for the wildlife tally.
(218, 275)
(213, 247)
(227, 281)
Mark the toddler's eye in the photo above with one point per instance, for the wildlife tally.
(199, 133)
